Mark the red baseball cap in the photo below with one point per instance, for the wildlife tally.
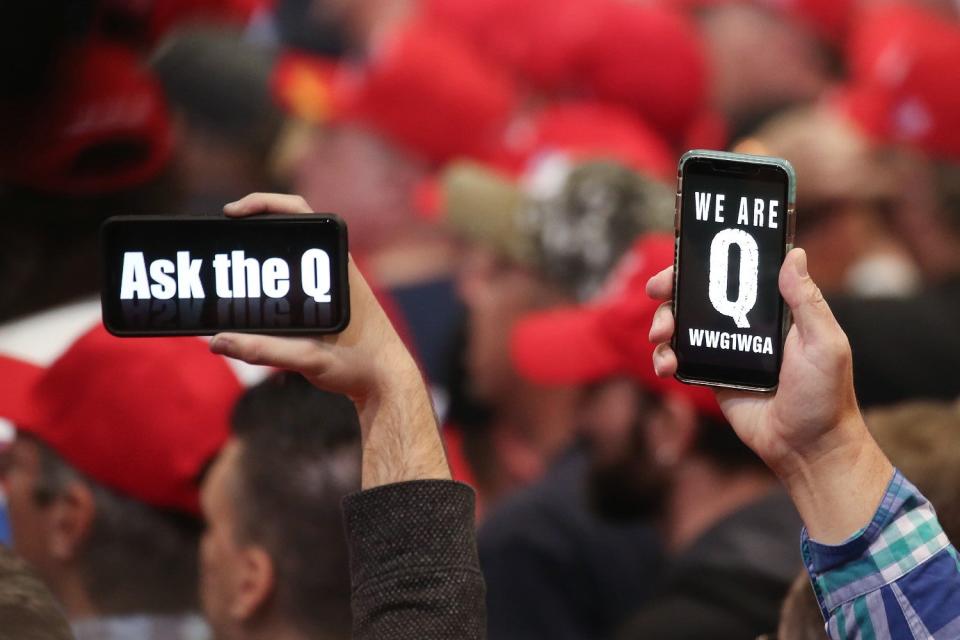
(652, 59)
(140, 416)
(106, 128)
(542, 41)
(905, 69)
(589, 130)
(422, 87)
(608, 337)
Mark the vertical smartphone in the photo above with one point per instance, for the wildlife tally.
(735, 223)
(199, 275)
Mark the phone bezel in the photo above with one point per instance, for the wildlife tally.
(738, 164)
(342, 282)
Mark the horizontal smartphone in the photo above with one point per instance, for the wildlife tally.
(735, 222)
(185, 275)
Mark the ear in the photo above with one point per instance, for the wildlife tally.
(673, 431)
(256, 582)
(70, 520)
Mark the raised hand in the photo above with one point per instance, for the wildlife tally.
(810, 431)
(367, 362)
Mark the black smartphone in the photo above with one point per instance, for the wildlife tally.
(735, 222)
(200, 275)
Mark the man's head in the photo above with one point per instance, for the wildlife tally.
(84, 538)
(793, 69)
(274, 557)
(641, 428)
(901, 92)
(645, 456)
(226, 121)
(102, 480)
(847, 186)
(421, 98)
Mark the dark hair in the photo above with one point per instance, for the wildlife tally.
(136, 558)
(719, 443)
(27, 609)
(947, 182)
(299, 455)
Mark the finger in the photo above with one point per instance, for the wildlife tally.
(267, 203)
(811, 314)
(664, 360)
(660, 286)
(661, 329)
(296, 354)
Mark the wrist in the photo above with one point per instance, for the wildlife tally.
(399, 431)
(828, 454)
(838, 482)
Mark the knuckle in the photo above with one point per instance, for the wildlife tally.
(254, 354)
(816, 298)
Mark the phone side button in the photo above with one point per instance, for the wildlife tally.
(676, 214)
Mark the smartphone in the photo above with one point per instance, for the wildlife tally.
(735, 222)
(200, 275)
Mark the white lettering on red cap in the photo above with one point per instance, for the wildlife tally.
(912, 119)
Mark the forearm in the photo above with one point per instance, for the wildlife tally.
(401, 437)
(837, 485)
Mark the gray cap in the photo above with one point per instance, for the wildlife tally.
(572, 223)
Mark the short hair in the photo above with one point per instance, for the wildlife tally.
(800, 617)
(137, 558)
(719, 443)
(27, 608)
(299, 456)
(922, 439)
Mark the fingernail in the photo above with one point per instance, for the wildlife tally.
(802, 264)
(221, 345)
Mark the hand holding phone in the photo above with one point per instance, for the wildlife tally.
(809, 431)
(734, 225)
(367, 362)
(165, 275)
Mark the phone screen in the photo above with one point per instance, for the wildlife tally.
(734, 226)
(166, 275)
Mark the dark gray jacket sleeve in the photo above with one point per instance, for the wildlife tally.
(413, 562)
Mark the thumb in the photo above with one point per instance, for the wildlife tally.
(811, 314)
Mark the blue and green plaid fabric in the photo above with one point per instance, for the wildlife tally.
(898, 578)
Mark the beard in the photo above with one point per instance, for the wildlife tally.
(630, 488)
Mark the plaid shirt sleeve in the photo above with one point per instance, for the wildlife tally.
(898, 578)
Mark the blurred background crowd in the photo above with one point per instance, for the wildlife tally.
(507, 171)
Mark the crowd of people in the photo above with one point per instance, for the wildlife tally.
(495, 447)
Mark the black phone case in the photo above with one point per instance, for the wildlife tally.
(342, 282)
(791, 232)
